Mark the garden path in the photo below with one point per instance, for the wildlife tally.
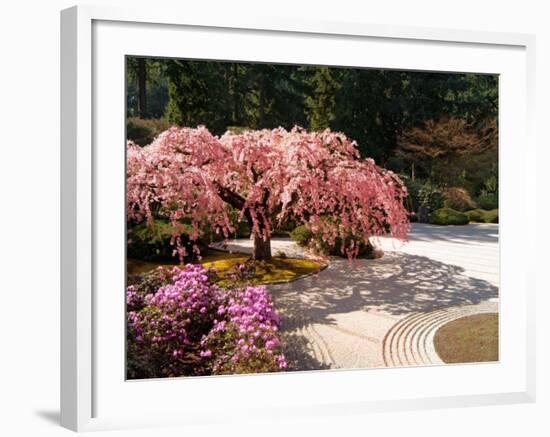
(385, 312)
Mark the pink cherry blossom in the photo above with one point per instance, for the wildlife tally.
(269, 177)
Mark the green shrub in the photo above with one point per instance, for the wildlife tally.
(284, 229)
(413, 187)
(152, 242)
(306, 238)
(143, 131)
(487, 200)
(482, 216)
(448, 216)
(366, 249)
(458, 199)
(430, 196)
(242, 230)
(421, 194)
(488, 196)
(237, 129)
(301, 235)
(476, 215)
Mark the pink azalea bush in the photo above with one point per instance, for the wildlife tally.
(269, 177)
(190, 326)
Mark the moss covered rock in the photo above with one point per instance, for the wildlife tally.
(448, 216)
(482, 215)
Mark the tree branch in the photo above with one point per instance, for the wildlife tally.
(230, 197)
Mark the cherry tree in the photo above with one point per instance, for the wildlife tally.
(269, 177)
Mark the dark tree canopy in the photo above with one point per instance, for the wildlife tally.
(376, 108)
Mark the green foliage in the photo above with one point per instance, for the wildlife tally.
(458, 198)
(487, 200)
(284, 229)
(301, 235)
(242, 230)
(321, 103)
(448, 216)
(491, 185)
(189, 88)
(149, 74)
(221, 95)
(237, 129)
(413, 189)
(143, 131)
(469, 171)
(435, 147)
(488, 196)
(374, 107)
(366, 249)
(306, 238)
(276, 96)
(482, 216)
(476, 215)
(430, 196)
(151, 242)
(422, 193)
(149, 282)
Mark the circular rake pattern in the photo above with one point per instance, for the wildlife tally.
(410, 342)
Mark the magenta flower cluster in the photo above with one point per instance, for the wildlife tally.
(190, 326)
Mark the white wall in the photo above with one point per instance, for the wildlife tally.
(29, 218)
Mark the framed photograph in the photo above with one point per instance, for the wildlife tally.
(277, 217)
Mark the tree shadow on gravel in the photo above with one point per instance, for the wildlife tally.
(396, 284)
(298, 355)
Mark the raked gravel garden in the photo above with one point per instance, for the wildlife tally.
(386, 311)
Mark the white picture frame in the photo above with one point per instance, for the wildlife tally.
(89, 399)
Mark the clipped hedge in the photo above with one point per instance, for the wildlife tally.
(448, 216)
(482, 216)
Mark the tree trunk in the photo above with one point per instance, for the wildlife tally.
(262, 249)
(142, 87)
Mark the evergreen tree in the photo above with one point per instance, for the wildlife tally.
(321, 102)
(374, 107)
(187, 93)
